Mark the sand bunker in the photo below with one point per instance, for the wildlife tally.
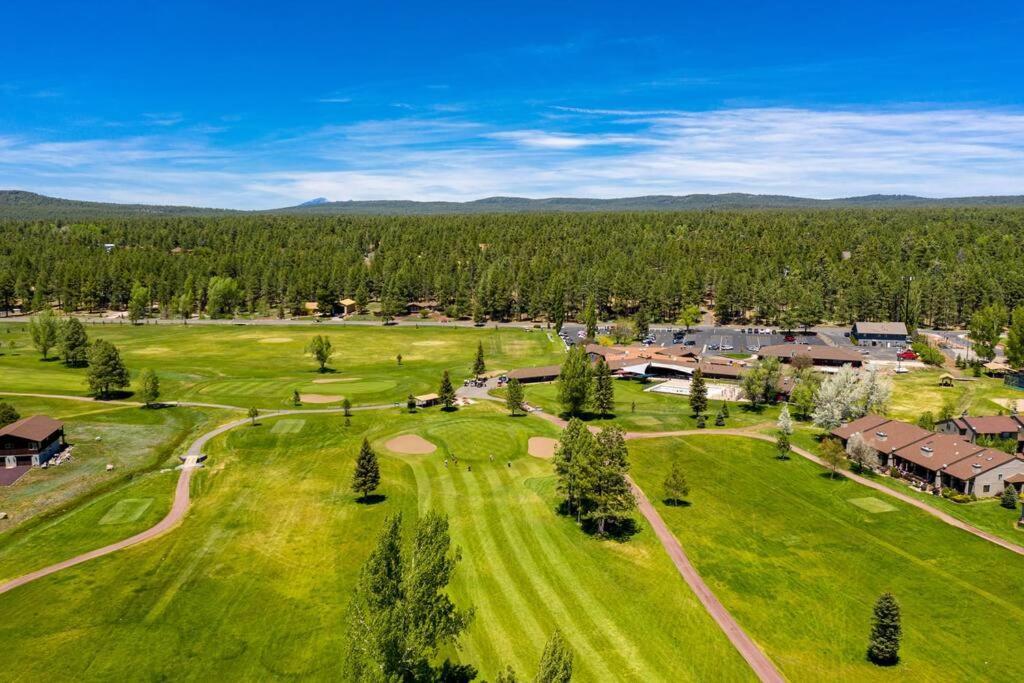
(275, 340)
(320, 398)
(410, 444)
(332, 380)
(541, 446)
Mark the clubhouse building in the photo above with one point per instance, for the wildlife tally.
(873, 333)
(936, 460)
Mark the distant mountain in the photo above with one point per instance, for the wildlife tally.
(30, 206)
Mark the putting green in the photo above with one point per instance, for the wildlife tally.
(288, 426)
(872, 505)
(125, 511)
(356, 386)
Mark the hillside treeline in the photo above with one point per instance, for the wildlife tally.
(930, 266)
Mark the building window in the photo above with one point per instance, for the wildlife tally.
(985, 488)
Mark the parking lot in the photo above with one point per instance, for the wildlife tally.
(748, 340)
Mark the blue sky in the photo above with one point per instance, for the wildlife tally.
(258, 104)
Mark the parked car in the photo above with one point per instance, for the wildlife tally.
(907, 355)
(790, 338)
(727, 347)
(689, 342)
(712, 347)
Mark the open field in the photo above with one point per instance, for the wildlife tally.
(918, 391)
(131, 438)
(652, 412)
(252, 365)
(799, 559)
(264, 562)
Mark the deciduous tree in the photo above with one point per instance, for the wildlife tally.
(44, 332)
(320, 348)
(8, 414)
(149, 387)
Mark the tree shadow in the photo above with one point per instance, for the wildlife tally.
(747, 408)
(52, 359)
(156, 405)
(326, 371)
(838, 476)
(372, 499)
(619, 529)
(115, 395)
(676, 502)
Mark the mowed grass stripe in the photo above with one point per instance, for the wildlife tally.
(511, 626)
(546, 556)
(474, 576)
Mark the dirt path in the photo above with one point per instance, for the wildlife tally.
(758, 660)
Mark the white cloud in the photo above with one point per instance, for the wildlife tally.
(589, 152)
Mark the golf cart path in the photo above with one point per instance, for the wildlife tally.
(180, 503)
(750, 433)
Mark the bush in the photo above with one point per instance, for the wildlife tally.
(927, 353)
(700, 422)
(1009, 498)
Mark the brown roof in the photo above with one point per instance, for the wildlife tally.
(813, 351)
(676, 350)
(938, 451)
(1015, 478)
(979, 463)
(722, 367)
(881, 328)
(34, 428)
(893, 435)
(992, 424)
(347, 302)
(533, 373)
(863, 424)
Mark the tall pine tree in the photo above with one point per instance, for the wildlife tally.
(366, 477)
(446, 392)
(556, 662)
(698, 393)
(604, 390)
(479, 367)
(886, 632)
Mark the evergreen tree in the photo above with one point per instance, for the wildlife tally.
(507, 675)
(556, 661)
(74, 343)
(604, 390)
(44, 332)
(725, 409)
(149, 387)
(719, 419)
(886, 632)
(106, 370)
(446, 392)
(698, 393)
(574, 384)
(401, 615)
(410, 403)
(296, 397)
(346, 406)
(320, 348)
(1008, 499)
(514, 395)
(254, 413)
(366, 477)
(1015, 339)
(606, 492)
(675, 485)
(590, 319)
(574, 465)
(782, 446)
(8, 414)
(479, 367)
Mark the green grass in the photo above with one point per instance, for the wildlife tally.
(798, 561)
(652, 412)
(130, 438)
(263, 365)
(985, 514)
(917, 391)
(254, 583)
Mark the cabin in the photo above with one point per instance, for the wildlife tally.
(417, 307)
(924, 460)
(427, 400)
(879, 332)
(30, 441)
(985, 474)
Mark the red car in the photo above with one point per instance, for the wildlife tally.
(907, 355)
(790, 338)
